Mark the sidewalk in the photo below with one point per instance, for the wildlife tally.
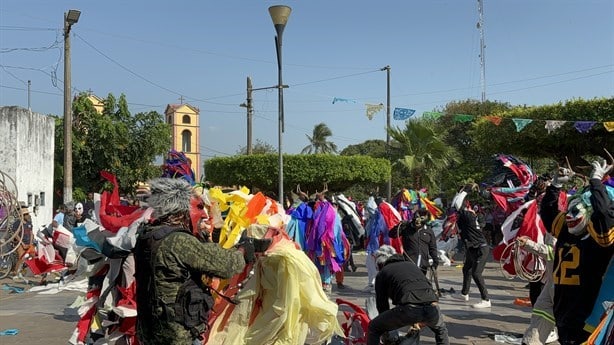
(47, 318)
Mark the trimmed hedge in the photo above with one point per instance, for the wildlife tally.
(309, 171)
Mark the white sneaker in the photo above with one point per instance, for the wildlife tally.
(552, 337)
(482, 304)
(462, 297)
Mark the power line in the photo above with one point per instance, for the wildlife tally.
(257, 60)
(22, 89)
(333, 78)
(24, 28)
(60, 94)
(12, 75)
(556, 82)
(54, 45)
(191, 48)
(507, 82)
(213, 150)
(145, 79)
(197, 99)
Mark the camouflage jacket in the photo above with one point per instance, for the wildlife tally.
(181, 255)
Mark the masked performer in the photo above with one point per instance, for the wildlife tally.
(585, 233)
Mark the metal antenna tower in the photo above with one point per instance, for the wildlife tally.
(482, 49)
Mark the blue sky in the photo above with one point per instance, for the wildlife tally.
(537, 52)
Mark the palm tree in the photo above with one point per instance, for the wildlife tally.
(318, 141)
(424, 151)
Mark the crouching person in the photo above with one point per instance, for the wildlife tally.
(172, 302)
(415, 301)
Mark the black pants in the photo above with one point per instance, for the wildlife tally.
(475, 260)
(569, 336)
(535, 288)
(496, 235)
(350, 261)
(407, 315)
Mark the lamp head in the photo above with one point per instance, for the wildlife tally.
(279, 15)
(72, 16)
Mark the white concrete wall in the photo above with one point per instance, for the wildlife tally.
(26, 155)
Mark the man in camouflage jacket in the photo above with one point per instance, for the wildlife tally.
(177, 257)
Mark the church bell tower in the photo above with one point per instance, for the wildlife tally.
(185, 132)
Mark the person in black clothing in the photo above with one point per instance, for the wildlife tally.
(476, 250)
(88, 206)
(415, 301)
(584, 247)
(419, 241)
(70, 219)
(346, 224)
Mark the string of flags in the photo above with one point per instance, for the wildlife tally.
(550, 125)
(402, 113)
(373, 109)
(344, 100)
(398, 114)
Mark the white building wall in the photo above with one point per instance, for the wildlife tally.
(27, 143)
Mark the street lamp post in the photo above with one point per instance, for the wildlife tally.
(389, 184)
(71, 17)
(279, 15)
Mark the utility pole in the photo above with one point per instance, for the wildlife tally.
(29, 91)
(389, 186)
(250, 114)
(482, 49)
(71, 17)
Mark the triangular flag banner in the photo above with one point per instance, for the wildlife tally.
(337, 99)
(584, 126)
(373, 109)
(496, 120)
(553, 125)
(609, 126)
(463, 118)
(402, 113)
(521, 123)
(432, 114)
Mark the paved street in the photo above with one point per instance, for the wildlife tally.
(466, 325)
(47, 318)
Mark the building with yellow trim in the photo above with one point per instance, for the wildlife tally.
(185, 132)
(97, 102)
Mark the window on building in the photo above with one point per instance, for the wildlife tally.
(186, 141)
(186, 119)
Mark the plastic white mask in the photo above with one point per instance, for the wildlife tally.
(577, 217)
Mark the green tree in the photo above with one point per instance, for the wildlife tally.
(424, 152)
(261, 147)
(474, 163)
(318, 141)
(375, 148)
(535, 142)
(115, 141)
